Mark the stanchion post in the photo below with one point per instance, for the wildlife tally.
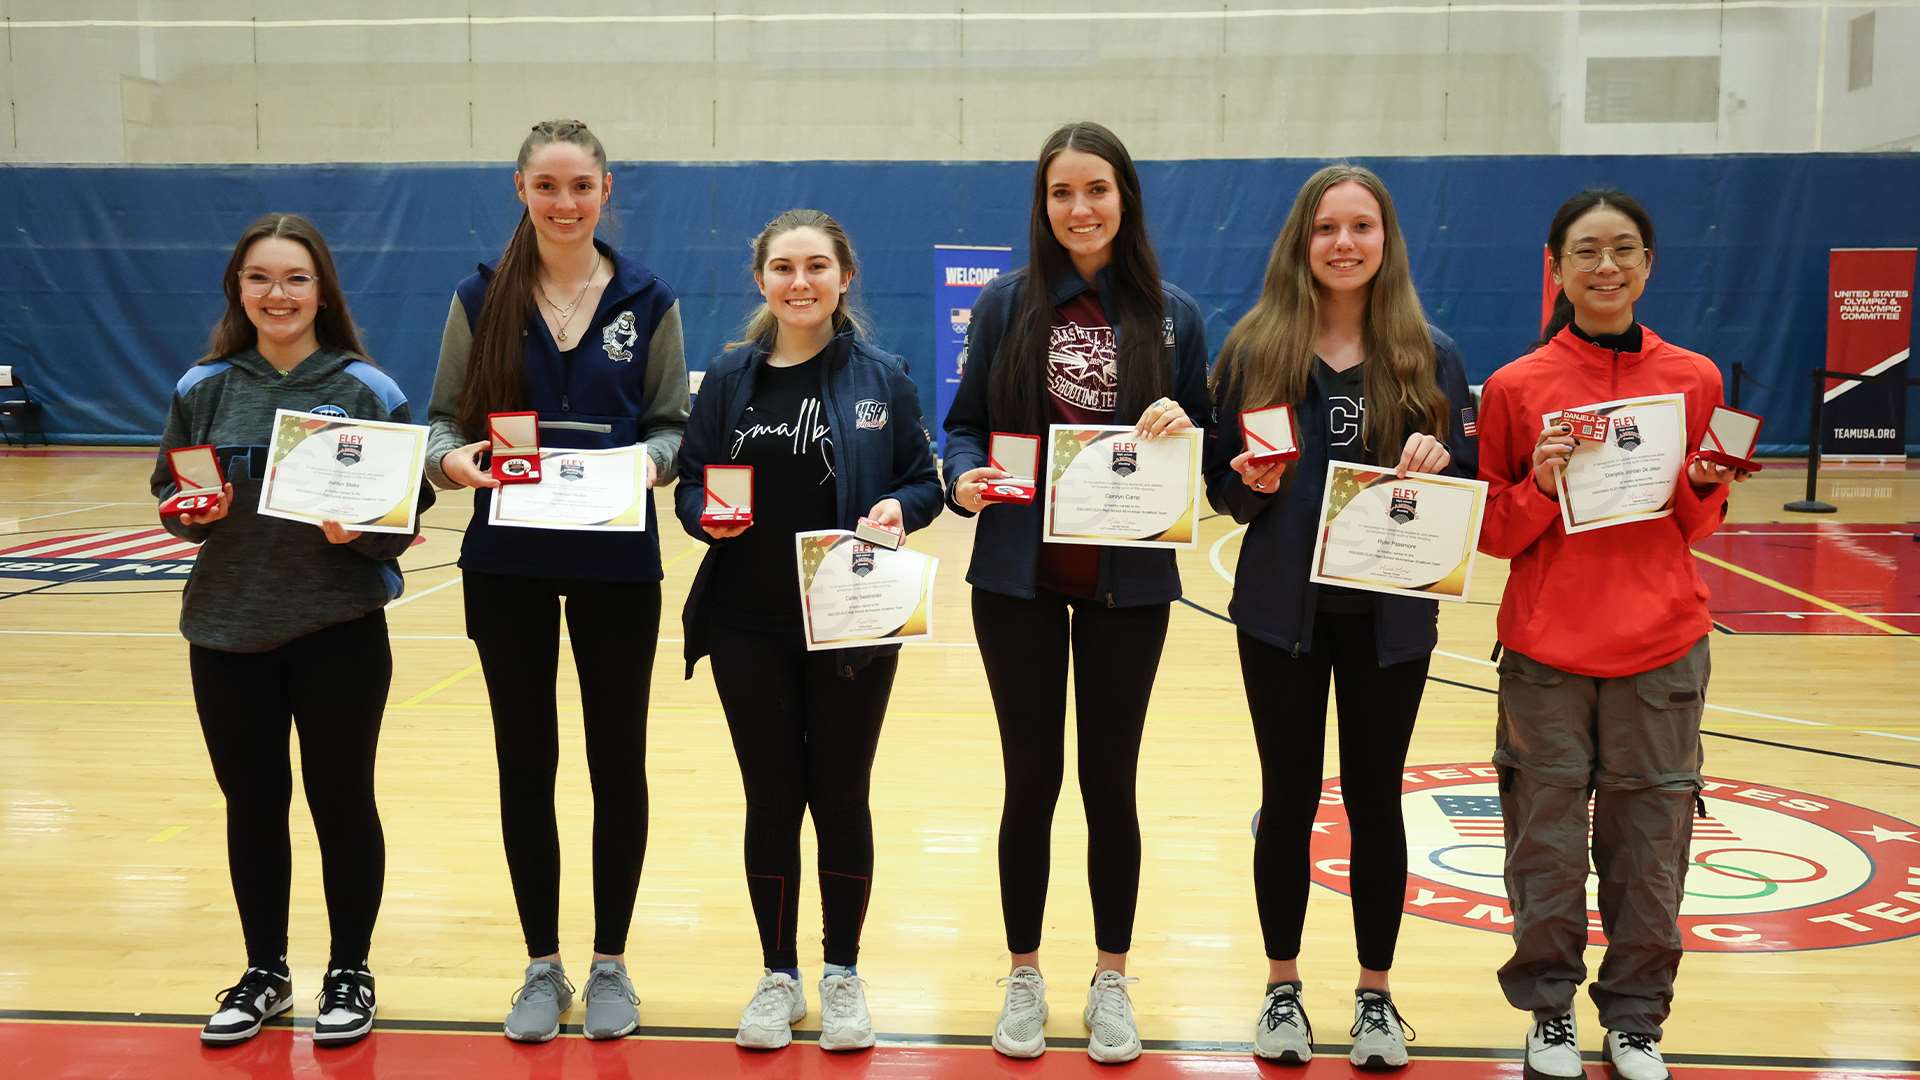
(1739, 370)
(1811, 505)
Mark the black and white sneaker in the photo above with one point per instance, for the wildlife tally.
(346, 1007)
(259, 996)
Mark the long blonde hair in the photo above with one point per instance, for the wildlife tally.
(1269, 353)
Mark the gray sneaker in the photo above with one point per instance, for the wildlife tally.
(1380, 1033)
(610, 1000)
(543, 998)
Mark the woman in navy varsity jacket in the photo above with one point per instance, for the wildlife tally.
(1337, 333)
(1086, 333)
(566, 326)
(832, 430)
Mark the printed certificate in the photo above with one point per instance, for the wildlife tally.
(855, 593)
(1408, 537)
(1633, 473)
(365, 474)
(590, 490)
(1107, 486)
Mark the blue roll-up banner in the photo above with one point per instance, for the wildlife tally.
(959, 273)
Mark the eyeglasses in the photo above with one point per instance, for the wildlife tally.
(294, 286)
(1625, 256)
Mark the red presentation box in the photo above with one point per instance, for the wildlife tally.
(1019, 457)
(196, 478)
(1591, 427)
(879, 534)
(1730, 439)
(516, 446)
(729, 496)
(1272, 433)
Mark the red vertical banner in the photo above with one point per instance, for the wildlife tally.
(1549, 288)
(1869, 331)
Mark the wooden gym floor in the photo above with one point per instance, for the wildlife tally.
(117, 924)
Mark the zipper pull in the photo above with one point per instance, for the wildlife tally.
(1296, 650)
(564, 406)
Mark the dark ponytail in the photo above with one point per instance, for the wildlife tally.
(1571, 211)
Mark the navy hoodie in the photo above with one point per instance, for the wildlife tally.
(881, 450)
(1006, 545)
(1272, 598)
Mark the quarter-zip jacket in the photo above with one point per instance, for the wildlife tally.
(260, 582)
(881, 450)
(1006, 544)
(624, 383)
(1614, 601)
(1272, 598)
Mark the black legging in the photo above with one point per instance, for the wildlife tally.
(805, 735)
(331, 685)
(1377, 707)
(1025, 644)
(614, 626)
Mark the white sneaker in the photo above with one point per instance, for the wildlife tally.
(778, 1003)
(1114, 1036)
(1634, 1056)
(1283, 1033)
(1553, 1049)
(1379, 1032)
(1022, 1029)
(845, 1023)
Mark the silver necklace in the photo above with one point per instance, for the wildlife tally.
(565, 314)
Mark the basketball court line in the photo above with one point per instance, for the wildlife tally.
(62, 513)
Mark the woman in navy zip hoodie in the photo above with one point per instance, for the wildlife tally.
(1338, 333)
(566, 326)
(1086, 333)
(832, 429)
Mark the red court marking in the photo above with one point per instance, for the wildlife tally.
(1872, 569)
(50, 1050)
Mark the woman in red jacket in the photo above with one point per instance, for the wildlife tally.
(1606, 665)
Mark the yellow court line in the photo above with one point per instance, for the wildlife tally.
(1837, 609)
(166, 834)
(441, 685)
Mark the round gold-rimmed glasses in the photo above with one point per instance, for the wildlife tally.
(1625, 256)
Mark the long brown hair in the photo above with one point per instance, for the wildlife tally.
(332, 324)
(1017, 387)
(1270, 352)
(762, 326)
(496, 379)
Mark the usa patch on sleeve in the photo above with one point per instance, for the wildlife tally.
(1466, 423)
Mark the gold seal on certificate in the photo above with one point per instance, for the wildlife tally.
(364, 474)
(1411, 536)
(1108, 486)
(579, 490)
(1631, 474)
(856, 593)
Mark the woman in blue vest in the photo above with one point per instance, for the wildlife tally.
(567, 326)
(831, 427)
(1085, 334)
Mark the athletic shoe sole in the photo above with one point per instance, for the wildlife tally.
(1012, 1049)
(621, 1034)
(342, 1036)
(1376, 1061)
(228, 1038)
(751, 1042)
(517, 1037)
(1286, 1057)
(861, 1042)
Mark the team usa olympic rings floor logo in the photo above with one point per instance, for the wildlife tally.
(1771, 870)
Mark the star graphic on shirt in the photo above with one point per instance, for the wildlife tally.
(1881, 836)
(1323, 827)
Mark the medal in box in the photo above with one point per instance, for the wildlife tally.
(1730, 439)
(729, 496)
(880, 534)
(1272, 433)
(197, 481)
(516, 446)
(1019, 457)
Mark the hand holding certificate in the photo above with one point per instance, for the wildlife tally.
(855, 593)
(1629, 473)
(1411, 536)
(590, 490)
(1107, 486)
(364, 474)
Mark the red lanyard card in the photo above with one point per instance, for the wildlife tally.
(729, 496)
(1730, 439)
(1019, 457)
(197, 481)
(1272, 433)
(1592, 427)
(516, 446)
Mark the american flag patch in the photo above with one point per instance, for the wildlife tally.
(1466, 422)
(1479, 816)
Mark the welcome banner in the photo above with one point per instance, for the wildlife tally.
(959, 273)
